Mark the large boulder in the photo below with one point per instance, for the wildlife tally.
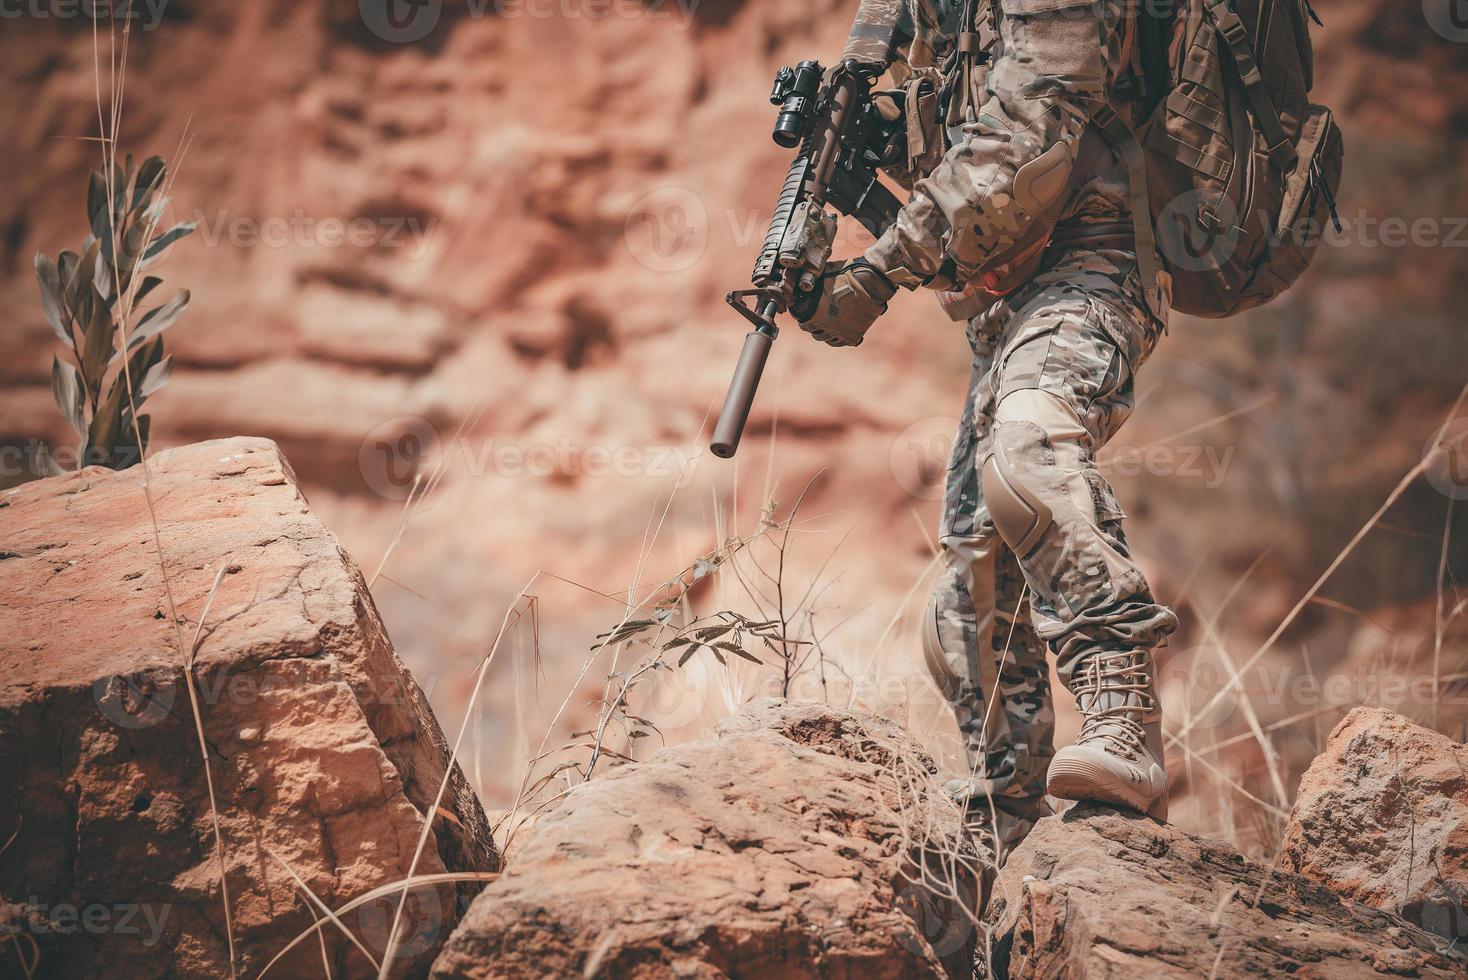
(324, 754)
(783, 847)
(1382, 817)
(1097, 893)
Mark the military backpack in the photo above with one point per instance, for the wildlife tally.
(1234, 171)
(1242, 169)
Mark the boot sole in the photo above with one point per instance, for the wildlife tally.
(1077, 779)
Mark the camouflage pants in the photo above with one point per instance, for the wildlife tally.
(1052, 383)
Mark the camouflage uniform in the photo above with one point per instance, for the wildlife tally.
(1052, 381)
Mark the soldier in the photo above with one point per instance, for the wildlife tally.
(1027, 219)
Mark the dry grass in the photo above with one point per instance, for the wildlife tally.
(947, 870)
(381, 891)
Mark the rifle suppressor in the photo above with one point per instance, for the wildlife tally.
(737, 402)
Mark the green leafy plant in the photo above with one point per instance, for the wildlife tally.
(90, 299)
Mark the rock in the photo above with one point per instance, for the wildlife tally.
(1099, 893)
(323, 750)
(778, 848)
(1382, 818)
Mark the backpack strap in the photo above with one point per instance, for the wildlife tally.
(977, 34)
(1124, 141)
(1152, 26)
(1236, 38)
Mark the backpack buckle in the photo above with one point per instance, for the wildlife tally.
(1233, 30)
(1208, 219)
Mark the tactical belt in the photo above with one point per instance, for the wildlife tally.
(1115, 235)
(969, 302)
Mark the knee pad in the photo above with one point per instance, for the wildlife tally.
(1029, 426)
(1019, 515)
(946, 679)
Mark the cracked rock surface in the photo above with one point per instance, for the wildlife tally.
(775, 850)
(324, 752)
(1382, 817)
(1096, 893)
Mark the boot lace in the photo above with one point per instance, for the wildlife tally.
(1114, 695)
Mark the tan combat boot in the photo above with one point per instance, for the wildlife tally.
(1118, 758)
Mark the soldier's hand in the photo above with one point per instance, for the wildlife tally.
(847, 301)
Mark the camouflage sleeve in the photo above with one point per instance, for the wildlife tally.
(997, 191)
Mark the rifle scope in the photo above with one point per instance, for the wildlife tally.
(795, 92)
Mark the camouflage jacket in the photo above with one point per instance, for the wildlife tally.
(1027, 158)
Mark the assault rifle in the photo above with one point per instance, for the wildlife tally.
(842, 139)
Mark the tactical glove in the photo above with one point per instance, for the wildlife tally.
(847, 301)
